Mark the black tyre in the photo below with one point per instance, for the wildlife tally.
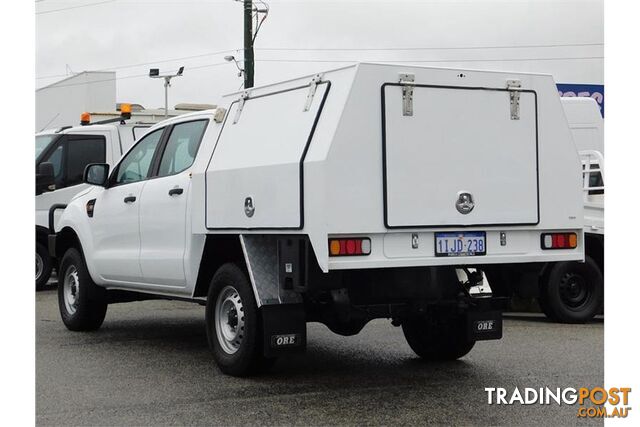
(82, 303)
(234, 329)
(444, 340)
(44, 265)
(573, 292)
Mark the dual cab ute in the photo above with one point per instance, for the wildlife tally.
(369, 191)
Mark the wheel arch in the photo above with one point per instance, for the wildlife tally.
(68, 237)
(65, 239)
(218, 249)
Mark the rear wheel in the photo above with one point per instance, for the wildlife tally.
(43, 266)
(442, 340)
(82, 303)
(573, 292)
(234, 329)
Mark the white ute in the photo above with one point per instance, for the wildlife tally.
(369, 191)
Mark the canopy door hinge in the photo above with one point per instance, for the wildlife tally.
(312, 91)
(241, 101)
(514, 98)
(406, 80)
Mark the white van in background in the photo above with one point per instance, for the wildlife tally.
(573, 291)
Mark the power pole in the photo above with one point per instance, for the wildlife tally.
(248, 44)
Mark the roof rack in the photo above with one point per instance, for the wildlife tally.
(125, 114)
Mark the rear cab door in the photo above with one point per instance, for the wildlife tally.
(163, 205)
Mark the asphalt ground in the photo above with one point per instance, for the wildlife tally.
(149, 364)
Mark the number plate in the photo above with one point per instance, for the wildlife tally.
(470, 243)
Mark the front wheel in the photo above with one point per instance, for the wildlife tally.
(82, 303)
(43, 266)
(234, 329)
(573, 292)
(442, 340)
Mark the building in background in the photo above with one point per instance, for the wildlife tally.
(61, 103)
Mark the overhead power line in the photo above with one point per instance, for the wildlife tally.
(139, 64)
(44, 12)
(356, 49)
(350, 61)
(435, 60)
(133, 76)
(336, 49)
(137, 2)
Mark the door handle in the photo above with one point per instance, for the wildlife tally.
(176, 191)
(130, 199)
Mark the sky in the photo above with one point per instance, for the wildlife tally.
(563, 38)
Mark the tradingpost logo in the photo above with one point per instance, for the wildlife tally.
(596, 402)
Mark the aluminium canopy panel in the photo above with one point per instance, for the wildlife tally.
(255, 176)
(460, 145)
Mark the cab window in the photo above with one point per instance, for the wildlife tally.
(135, 166)
(182, 147)
(71, 155)
(80, 153)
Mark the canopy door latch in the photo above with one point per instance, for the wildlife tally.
(312, 91)
(241, 101)
(514, 98)
(406, 80)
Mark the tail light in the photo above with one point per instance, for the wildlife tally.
(350, 246)
(559, 240)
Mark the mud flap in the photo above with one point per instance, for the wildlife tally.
(284, 328)
(484, 325)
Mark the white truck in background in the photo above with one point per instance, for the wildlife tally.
(572, 291)
(101, 137)
(369, 191)
(61, 157)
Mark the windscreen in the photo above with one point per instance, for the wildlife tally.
(43, 141)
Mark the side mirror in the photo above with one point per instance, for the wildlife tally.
(96, 174)
(45, 179)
